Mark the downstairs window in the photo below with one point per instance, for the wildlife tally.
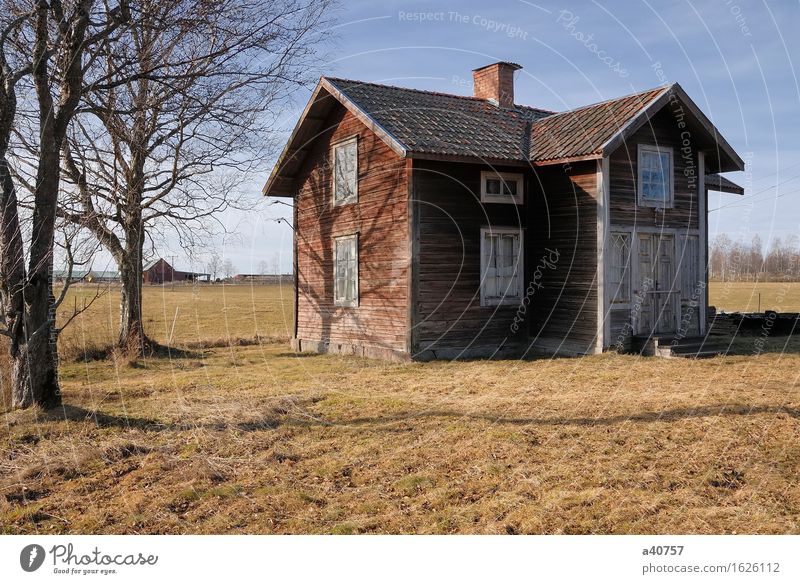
(345, 270)
(501, 266)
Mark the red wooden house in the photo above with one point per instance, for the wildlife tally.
(430, 225)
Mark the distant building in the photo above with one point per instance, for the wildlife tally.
(159, 272)
(90, 276)
(264, 278)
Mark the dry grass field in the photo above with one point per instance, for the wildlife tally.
(181, 315)
(744, 296)
(250, 438)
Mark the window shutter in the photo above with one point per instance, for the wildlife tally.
(490, 261)
(339, 176)
(513, 288)
(352, 152)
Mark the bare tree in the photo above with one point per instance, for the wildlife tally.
(755, 261)
(719, 257)
(735, 261)
(166, 153)
(276, 264)
(228, 269)
(49, 44)
(263, 268)
(214, 265)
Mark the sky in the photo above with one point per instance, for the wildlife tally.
(738, 61)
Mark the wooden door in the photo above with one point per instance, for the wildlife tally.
(644, 306)
(657, 285)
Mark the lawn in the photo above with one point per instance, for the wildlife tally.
(749, 296)
(181, 315)
(250, 438)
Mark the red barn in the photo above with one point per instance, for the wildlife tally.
(160, 272)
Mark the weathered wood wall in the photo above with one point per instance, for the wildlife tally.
(563, 219)
(661, 131)
(378, 325)
(448, 316)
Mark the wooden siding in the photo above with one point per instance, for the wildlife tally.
(682, 221)
(448, 316)
(563, 218)
(621, 329)
(692, 283)
(662, 131)
(380, 217)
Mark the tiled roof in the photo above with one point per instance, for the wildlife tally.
(439, 123)
(717, 182)
(427, 124)
(583, 131)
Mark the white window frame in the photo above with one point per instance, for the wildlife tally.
(510, 297)
(643, 148)
(337, 299)
(507, 177)
(626, 285)
(353, 198)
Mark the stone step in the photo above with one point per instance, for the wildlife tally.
(688, 347)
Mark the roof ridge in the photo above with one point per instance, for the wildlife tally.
(440, 93)
(610, 100)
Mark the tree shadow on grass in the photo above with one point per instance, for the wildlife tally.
(159, 351)
(303, 354)
(273, 421)
(641, 417)
(100, 419)
(105, 420)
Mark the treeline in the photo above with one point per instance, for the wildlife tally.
(738, 261)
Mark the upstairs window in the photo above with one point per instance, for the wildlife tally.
(345, 270)
(501, 266)
(501, 187)
(345, 171)
(655, 176)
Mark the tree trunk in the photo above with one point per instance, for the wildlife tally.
(27, 308)
(35, 368)
(34, 371)
(131, 331)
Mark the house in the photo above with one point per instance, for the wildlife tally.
(159, 272)
(90, 276)
(262, 278)
(431, 225)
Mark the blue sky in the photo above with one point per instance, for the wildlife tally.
(737, 60)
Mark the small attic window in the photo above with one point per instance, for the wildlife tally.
(345, 171)
(501, 187)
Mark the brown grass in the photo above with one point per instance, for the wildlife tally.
(181, 315)
(744, 296)
(190, 317)
(256, 440)
(253, 439)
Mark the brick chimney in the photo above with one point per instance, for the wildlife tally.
(495, 82)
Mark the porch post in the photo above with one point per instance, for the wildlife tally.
(702, 219)
(603, 218)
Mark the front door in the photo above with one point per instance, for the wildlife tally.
(657, 292)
